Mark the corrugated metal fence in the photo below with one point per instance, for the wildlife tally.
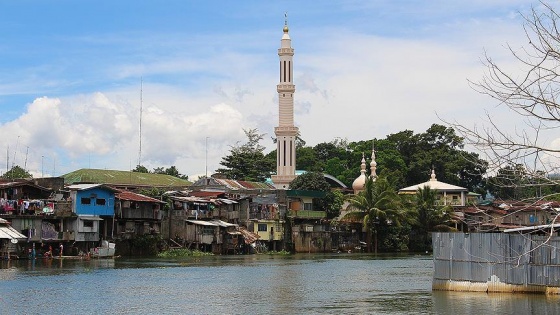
(513, 261)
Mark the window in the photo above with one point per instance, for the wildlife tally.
(284, 152)
(100, 202)
(88, 224)
(289, 71)
(307, 206)
(263, 227)
(85, 201)
(291, 153)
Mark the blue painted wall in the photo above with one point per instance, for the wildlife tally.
(101, 202)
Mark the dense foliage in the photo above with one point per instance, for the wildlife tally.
(405, 158)
(172, 171)
(247, 161)
(381, 210)
(16, 172)
(430, 217)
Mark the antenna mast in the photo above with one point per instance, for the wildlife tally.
(140, 132)
(15, 152)
(26, 153)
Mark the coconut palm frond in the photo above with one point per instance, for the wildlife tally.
(354, 216)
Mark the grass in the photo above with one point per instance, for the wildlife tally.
(182, 252)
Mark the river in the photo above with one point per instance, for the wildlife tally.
(246, 284)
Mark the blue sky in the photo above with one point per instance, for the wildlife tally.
(70, 74)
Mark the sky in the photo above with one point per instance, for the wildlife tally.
(86, 84)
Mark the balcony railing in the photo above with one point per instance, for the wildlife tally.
(307, 214)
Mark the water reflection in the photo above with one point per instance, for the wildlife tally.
(298, 284)
(495, 303)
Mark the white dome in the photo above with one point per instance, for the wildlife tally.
(359, 183)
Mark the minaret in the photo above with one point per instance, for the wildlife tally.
(373, 164)
(286, 131)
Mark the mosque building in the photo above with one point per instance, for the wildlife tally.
(447, 194)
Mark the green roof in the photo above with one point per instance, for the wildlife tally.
(305, 193)
(87, 175)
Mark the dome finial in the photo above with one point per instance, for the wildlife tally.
(433, 175)
(285, 22)
(373, 164)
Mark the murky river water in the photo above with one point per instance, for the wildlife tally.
(257, 284)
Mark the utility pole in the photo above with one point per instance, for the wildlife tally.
(206, 172)
(140, 127)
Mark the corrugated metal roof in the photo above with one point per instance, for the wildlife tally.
(8, 232)
(235, 184)
(91, 186)
(199, 222)
(227, 201)
(83, 186)
(190, 199)
(89, 218)
(213, 194)
(224, 224)
(131, 196)
(25, 183)
(212, 223)
(248, 236)
(546, 227)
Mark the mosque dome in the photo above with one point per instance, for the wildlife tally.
(360, 182)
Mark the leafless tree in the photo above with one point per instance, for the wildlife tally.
(532, 93)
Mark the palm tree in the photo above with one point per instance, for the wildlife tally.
(431, 216)
(378, 204)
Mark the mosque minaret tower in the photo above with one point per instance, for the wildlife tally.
(286, 131)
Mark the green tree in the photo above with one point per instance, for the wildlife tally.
(430, 216)
(247, 161)
(158, 170)
(441, 149)
(16, 172)
(378, 206)
(140, 169)
(306, 160)
(310, 181)
(335, 201)
(512, 182)
(173, 171)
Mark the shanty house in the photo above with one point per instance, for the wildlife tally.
(94, 204)
(137, 214)
(9, 239)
